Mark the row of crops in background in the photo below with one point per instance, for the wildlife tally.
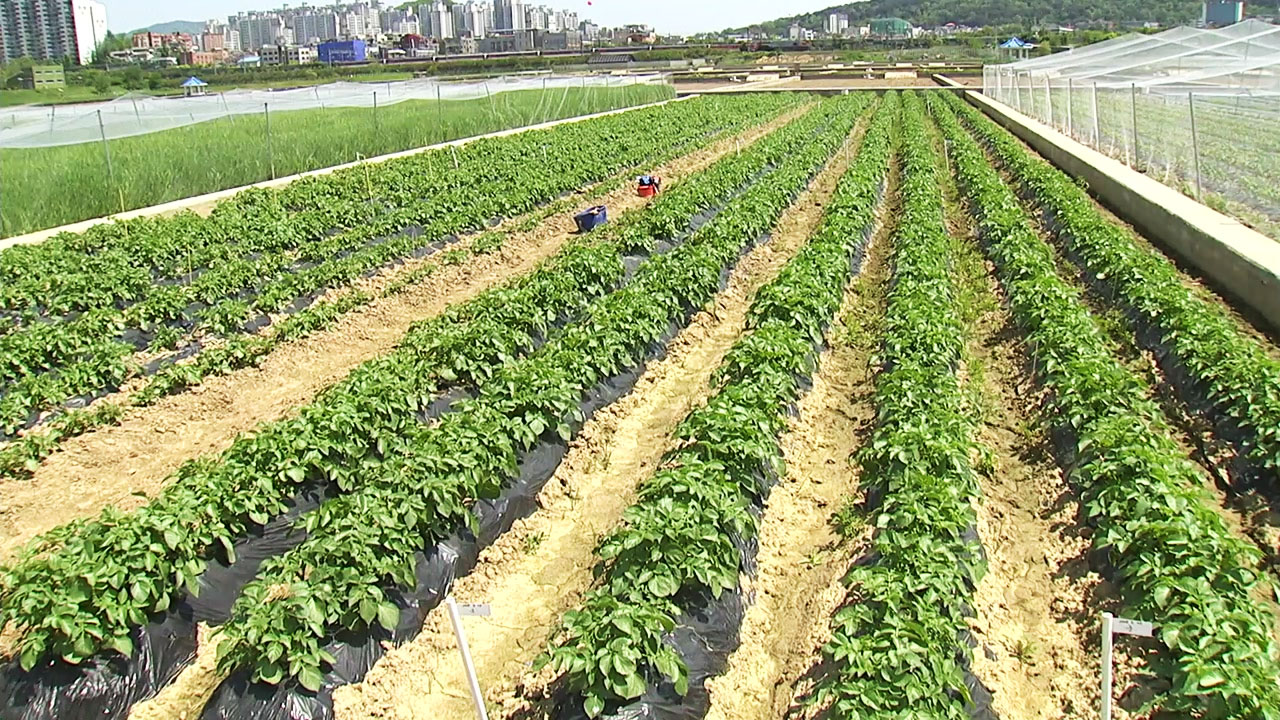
(52, 186)
(350, 507)
(897, 648)
(1178, 563)
(82, 314)
(681, 545)
(367, 440)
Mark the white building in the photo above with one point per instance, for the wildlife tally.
(509, 15)
(436, 21)
(535, 18)
(314, 26)
(51, 29)
(351, 25)
(797, 33)
(257, 29)
(90, 21)
(837, 24)
(300, 55)
(473, 18)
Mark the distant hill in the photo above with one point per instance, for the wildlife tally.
(174, 26)
(1001, 12)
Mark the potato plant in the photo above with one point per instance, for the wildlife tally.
(676, 545)
(1178, 564)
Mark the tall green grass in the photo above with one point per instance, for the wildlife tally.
(47, 187)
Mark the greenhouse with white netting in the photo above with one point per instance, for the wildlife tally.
(1198, 109)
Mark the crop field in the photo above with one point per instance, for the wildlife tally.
(870, 413)
(51, 186)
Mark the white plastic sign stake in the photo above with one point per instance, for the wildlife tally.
(1112, 626)
(1121, 626)
(455, 617)
(474, 610)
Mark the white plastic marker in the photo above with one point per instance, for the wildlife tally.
(455, 617)
(1112, 626)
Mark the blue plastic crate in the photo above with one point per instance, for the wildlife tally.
(591, 218)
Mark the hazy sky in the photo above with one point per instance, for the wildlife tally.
(675, 16)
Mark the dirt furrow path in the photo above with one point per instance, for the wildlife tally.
(803, 552)
(539, 569)
(1036, 608)
(123, 464)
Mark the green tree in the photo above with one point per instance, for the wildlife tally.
(101, 83)
(133, 78)
(110, 44)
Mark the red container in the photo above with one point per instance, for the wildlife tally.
(644, 190)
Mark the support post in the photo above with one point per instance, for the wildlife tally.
(106, 153)
(1133, 110)
(376, 129)
(477, 698)
(1048, 103)
(1195, 144)
(1097, 134)
(226, 108)
(136, 113)
(1070, 102)
(1017, 85)
(271, 158)
(1106, 666)
(440, 111)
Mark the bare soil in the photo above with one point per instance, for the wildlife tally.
(539, 570)
(183, 698)
(856, 83)
(1035, 608)
(1247, 516)
(123, 465)
(803, 555)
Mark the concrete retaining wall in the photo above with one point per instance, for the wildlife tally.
(1243, 262)
(204, 203)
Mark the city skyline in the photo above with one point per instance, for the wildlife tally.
(667, 16)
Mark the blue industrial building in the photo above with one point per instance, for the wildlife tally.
(342, 51)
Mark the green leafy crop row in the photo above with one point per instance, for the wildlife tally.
(118, 568)
(676, 543)
(1233, 370)
(1178, 564)
(253, 241)
(364, 540)
(896, 648)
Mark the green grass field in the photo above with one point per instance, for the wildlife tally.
(47, 187)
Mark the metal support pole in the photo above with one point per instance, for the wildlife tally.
(226, 108)
(1195, 145)
(1048, 102)
(440, 111)
(376, 129)
(1106, 666)
(473, 682)
(1097, 134)
(136, 113)
(1133, 109)
(106, 153)
(1070, 101)
(1017, 85)
(271, 158)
